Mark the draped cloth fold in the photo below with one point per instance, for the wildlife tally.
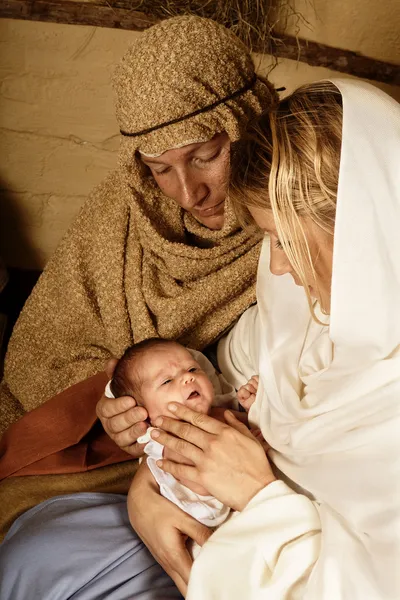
(51, 448)
(62, 435)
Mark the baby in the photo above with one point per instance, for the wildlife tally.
(156, 372)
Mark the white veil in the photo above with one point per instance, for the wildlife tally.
(329, 396)
(364, 327)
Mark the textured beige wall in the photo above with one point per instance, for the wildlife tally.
(371, 27)
(58, 135)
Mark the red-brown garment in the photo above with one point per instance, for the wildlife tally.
(61, 436)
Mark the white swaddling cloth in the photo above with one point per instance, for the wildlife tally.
(206, 509)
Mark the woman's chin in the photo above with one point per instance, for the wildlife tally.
(214, 222)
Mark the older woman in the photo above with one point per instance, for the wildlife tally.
(155, 250)
(320, 177)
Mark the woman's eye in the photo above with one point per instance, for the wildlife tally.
(161, 171)
(201, 161)
(278, 245)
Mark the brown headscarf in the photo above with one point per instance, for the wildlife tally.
(134, 264)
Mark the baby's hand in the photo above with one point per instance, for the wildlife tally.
(247, 393)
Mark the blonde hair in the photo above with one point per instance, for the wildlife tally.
(288, 162)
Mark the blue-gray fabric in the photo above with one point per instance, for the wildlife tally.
(79, 547)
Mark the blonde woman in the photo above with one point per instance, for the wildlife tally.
(156, 250)
(320, 177)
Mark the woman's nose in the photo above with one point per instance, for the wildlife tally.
(278, 263)
(190, 191)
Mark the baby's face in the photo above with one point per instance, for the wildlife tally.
(170, 374)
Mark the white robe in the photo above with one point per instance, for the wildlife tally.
(328, 400)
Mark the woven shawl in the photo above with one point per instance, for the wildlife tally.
(134, 264)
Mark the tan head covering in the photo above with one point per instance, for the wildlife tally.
(212, 63)
(134, 264)
(217, 91)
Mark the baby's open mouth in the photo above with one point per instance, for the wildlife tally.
(193, 395)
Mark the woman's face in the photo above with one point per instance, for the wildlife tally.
(321, 249)
(196, 177)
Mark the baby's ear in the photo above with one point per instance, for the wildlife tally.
(109, 366)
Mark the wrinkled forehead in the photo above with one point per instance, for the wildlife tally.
(155, 361)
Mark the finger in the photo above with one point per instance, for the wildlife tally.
(218, 413)
(186, 449)
(182, 432)
(243, 417)
(260, 438)
(200, 420)
(129, 436)
(136, 450)
(256, 431)
(197, 531)
(251, 388)
(109, 367)
(243, 393)
(236, 424)
(125, 420)
(193, 528)
(250, 400)
(181, 564)
(177, 565)
(180, 584)
(246, 403)
(109, 407)
(178, 561)
(178, 470)
(265, 445)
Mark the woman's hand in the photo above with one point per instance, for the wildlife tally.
(163, 527)
(122, 420)
(228, 461)
(218, 412)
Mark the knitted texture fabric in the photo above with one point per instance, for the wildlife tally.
(134, 264)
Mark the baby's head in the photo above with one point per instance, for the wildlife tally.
(156, 372)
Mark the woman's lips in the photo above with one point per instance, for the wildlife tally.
(211, 210)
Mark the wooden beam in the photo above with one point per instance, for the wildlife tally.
(117, 14)
(76, 13)
(344, 61)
